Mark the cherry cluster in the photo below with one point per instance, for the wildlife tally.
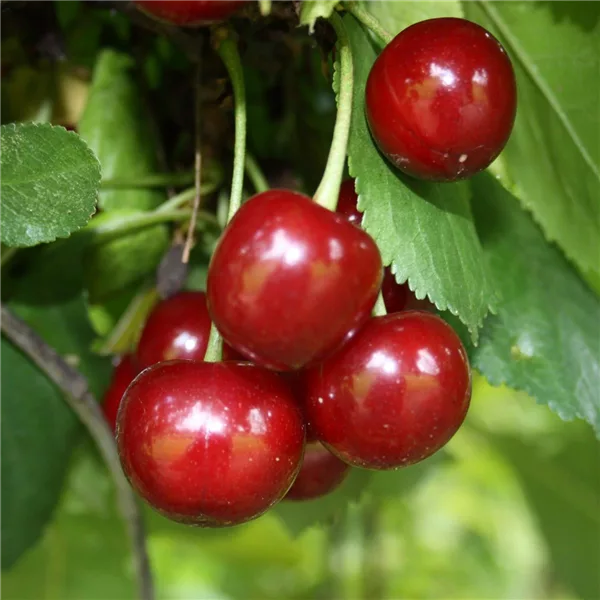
(310, 383)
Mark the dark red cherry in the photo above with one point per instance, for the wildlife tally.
(398, 296)
(320, 474)
(290, 281)
(392, 396)
(210, 444)
(190, 12)
(177, 328)
(122, 376)
(441, 99)
(348, 201)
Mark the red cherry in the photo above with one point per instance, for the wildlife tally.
(177, 328)
(210, 444)
(392, 396)
(290, 281)
(122, 376)
(441, 99)
(190, 12)
(348, 203)
(320, 474)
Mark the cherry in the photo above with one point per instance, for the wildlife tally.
(320, 474)
(441, 99)
(177, 328)
(210, 444)
(396, 296)
(190, 12)
(392, 396)
(123, 375)
(290, 281)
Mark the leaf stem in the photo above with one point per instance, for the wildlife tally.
(76, 392)
(328, 191)
(149, 181)
(177, 200)
(369, 21)
(228, 51)
(189, 240)
(256, 176)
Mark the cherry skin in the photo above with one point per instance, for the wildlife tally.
(210, 444)
(289, 281)
(122, 376)
(396, 296)
(392, 396)
(321, 473)
(190, 12)
(177, 328)
(441, 99)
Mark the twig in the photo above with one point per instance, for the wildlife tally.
(189, 240)
(81, 400)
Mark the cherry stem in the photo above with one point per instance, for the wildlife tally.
(379, 309)
(76, 393)
(256, 176)
(228, 51)
(189, 240)
(369, 21)
(329, 189)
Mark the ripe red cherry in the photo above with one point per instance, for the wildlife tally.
(321, 473)
(190, 12)
(441, 99)
(392, 396)
(177, 328)
(290, 281)
(210, 444)
(348, 203)
(123, 375)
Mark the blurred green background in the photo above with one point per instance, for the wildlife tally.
(510, 510)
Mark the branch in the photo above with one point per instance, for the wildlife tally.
(81, 400)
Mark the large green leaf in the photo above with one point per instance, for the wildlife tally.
(38, 428)
(554, 152)
(425, 230)
(116, 125)
(395, 16)
(563, 489)
(545, 339)
(49, 186)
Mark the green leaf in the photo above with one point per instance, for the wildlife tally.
(117, 263)
(299, 516)
(50, 181)
(553, 155)
(311, 10)
(545, 339)
(38, 428)
(425, 230)
(115, 124)
(564, 494)
(396, 16)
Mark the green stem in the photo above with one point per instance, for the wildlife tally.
(256, 176)
(149, 181)
(328, 191)
(229, 54)
(177, 200)
(379, 308)
(369, 21)
(228, 51)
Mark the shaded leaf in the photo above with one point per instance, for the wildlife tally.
(424, 230)
(553, 155)
(545, 339)
(311, 10)
(50, 181)
(38, 428)
(121, 136)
